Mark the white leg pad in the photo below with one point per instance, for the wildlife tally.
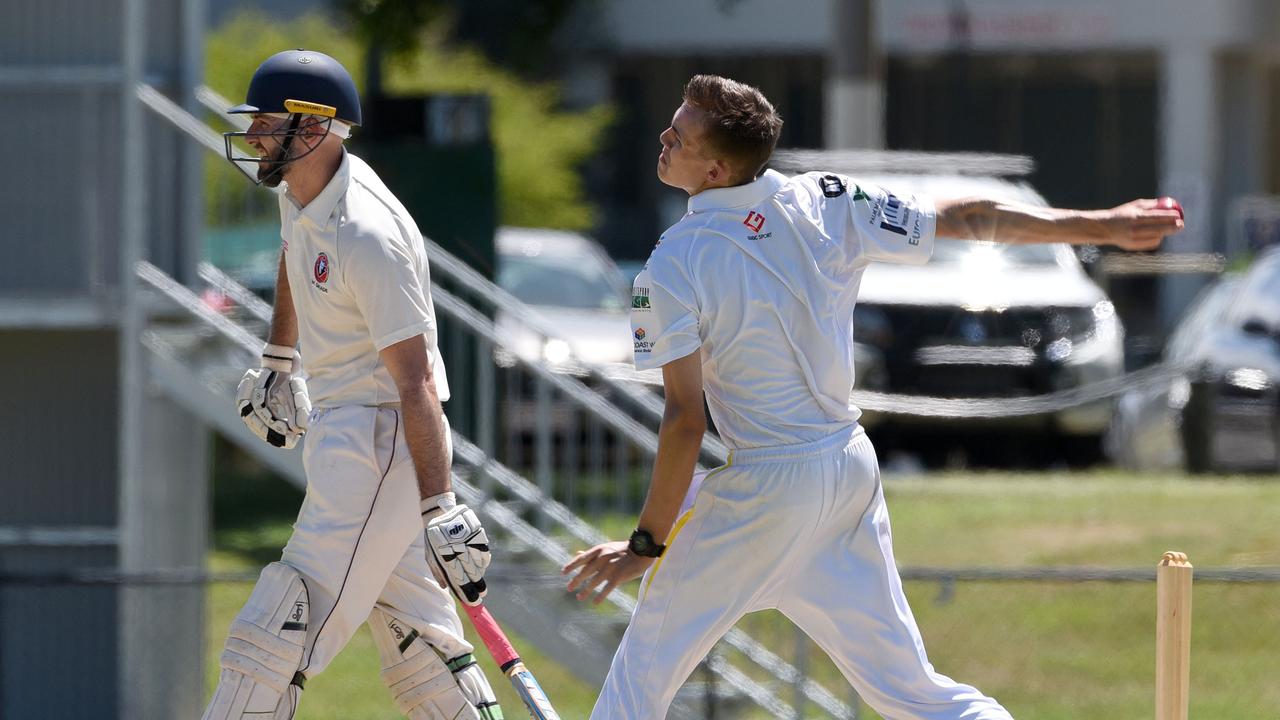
(425, 685)
(260, 678)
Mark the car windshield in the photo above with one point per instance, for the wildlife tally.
(950, 250)
(574, 282)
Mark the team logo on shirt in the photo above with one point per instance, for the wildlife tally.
(639, 333)
(832, 186)
(640, 298)
(322, 268)
(754, 220)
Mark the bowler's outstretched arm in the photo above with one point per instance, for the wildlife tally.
(1136, 225)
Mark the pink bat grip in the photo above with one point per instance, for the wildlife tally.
(492, 635)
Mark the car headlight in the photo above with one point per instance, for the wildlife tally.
(556, 351)
(1096, 336)
(1251, 379)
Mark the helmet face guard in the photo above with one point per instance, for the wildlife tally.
(305, 87)
(298, 109)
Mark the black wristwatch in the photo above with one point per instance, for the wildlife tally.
(643, 544)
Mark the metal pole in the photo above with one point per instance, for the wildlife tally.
(855, 90)
(802, 668)
(542, 446)
(485, 379)
(132, 244)
(709, 697)
(595, 467)
(457, 344)
(571, 459)
(513, 435)
(623, 502)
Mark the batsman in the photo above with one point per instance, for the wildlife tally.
(380, 536)
(749, 301)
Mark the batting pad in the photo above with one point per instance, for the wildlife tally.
(260, 677)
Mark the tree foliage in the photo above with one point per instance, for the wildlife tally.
(539, 147)
(513, 33)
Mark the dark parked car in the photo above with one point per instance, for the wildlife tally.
(984, 321)
(1223, 413)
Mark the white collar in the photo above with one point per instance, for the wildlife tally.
(752, 193)
(321, 206)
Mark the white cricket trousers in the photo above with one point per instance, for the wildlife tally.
(359, 537)
(803, 529)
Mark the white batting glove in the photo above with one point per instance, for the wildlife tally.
(272, 402)
(457, 547)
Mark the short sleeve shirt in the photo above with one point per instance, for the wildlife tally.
(762, 279)
(360, 282)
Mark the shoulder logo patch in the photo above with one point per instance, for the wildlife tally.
(832, 186)
(754, 220)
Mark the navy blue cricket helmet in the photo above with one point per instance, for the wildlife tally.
(300, 84)
(305, 77)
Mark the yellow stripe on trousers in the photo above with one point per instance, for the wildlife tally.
(675, 530)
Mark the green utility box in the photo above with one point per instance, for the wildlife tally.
(436, 155)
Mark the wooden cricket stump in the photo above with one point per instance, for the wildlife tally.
(1173, 636)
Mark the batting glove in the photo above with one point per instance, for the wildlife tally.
(457, 547)
(272, 402)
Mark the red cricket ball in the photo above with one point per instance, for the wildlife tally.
(1168, 203)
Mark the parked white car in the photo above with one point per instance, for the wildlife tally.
(569, 280)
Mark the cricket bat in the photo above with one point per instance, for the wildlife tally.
(509, 662)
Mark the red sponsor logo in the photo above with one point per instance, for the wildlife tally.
(322, 268)
(754, 220)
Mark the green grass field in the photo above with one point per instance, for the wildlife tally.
(1047, 650)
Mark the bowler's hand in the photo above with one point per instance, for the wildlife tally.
(610, 563)
(1140, 224)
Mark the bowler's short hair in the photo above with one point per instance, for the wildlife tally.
(741, 124)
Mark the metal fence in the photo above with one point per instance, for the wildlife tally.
(1046, 641)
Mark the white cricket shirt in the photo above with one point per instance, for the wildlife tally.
(762, 278)
(360, 282)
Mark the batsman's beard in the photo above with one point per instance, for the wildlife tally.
(271, 168)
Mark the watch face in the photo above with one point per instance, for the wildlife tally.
(642, 544)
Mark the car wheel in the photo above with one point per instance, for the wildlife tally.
(1197, 429)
